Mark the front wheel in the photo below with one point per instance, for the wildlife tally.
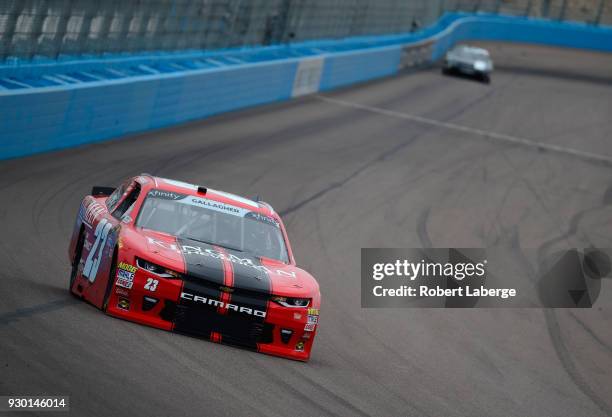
(111, 279)
(76, 261)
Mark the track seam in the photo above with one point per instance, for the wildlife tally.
(515, 140)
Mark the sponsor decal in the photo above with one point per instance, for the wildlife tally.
(310, 327)
(248, 262)
(93, 210)
(299, 346)
(313, 311)
(124, 279)
(223, 288)
(120, 242)
(127, 267)
(313, 319)
(262, 218)
(166, 195)
(297, 316)
(216, 303)
(125, 275)
(126, 219)
(215, 205)
(123, 303)
(307, 76)
(162, 244)
(121, 291)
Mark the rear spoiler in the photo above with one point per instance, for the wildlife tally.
(98, 191)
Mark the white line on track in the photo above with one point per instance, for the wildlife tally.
(484, 133)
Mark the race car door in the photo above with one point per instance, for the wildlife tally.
(101, 238)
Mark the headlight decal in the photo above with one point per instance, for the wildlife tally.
(291, 302)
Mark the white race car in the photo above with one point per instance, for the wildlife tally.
(468, 60)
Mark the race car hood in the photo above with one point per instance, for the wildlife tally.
(223, 266)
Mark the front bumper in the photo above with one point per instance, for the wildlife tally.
(286, 332)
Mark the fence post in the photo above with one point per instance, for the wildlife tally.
(545, 8)
(441, 7)
(563, 9)
(528, 8)
(599, 12)
(36, 29)
(60, 30)
(11, 26)
(497, 6)
(102, 36)
(119, 35)
(84, 29)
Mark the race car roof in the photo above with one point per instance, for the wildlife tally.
(471, 50)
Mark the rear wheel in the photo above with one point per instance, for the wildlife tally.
(77, 260)
(111, 279)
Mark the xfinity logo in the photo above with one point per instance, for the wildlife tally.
(217, 303)
(168, 195)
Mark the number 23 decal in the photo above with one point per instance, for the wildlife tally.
(151, 284)
(92, 263)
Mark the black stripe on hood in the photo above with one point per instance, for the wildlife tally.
(202, 260)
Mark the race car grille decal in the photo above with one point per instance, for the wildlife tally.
(221, 304)
(204, 308)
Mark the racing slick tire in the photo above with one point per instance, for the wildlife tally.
(77, 260)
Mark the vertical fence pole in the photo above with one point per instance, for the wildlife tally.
(597, 20)
(563, 10)
(104, 29)
(441, 7)
(528, 8)
(39, 15)
(82, 43)
(63, 14)
(11, 26)
(545, 8)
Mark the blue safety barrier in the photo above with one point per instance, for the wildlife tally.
(53, 104)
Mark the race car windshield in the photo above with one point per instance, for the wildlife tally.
(213, 222)
(472, 54)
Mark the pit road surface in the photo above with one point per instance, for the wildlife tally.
(418, 160)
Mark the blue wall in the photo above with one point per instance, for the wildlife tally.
(53, 105)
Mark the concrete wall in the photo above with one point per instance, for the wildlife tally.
(36, 119)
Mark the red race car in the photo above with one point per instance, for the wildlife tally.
(193, 260)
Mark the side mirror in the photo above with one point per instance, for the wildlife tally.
(101, 191)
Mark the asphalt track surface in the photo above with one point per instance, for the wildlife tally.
(416, 160)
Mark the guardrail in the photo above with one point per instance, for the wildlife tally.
(51, 106)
